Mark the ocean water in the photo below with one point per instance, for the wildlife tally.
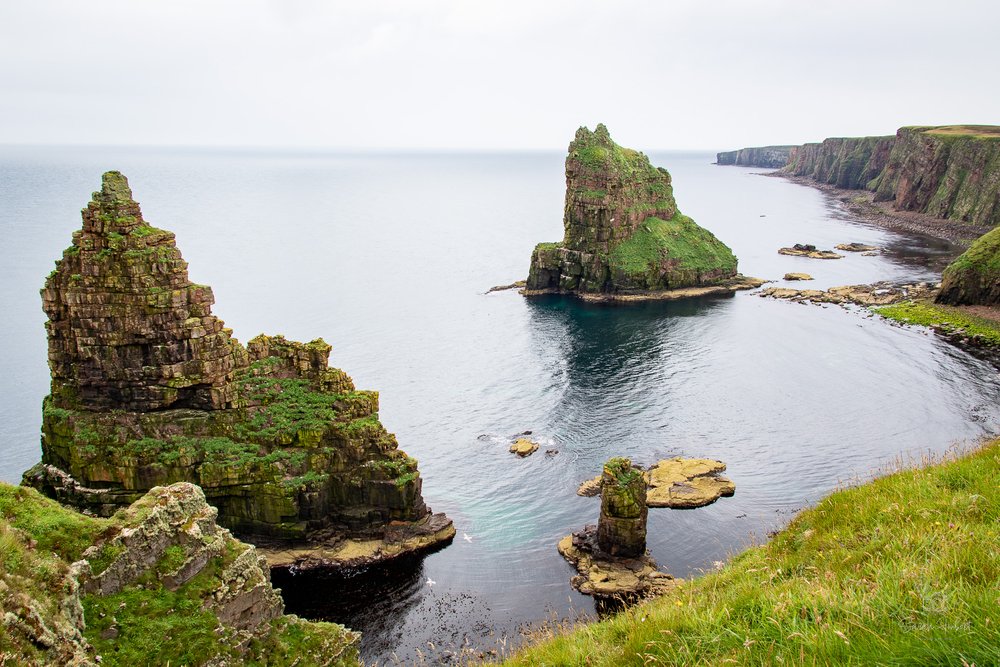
(388, 256)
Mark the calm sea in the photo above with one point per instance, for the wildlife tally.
(387, 257)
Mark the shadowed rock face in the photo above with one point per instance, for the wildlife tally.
(621, 528)
(623, 231)
(974, 277)
(149, 388)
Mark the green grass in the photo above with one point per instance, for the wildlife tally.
(53, 528)
(680, 238)
(982, 257)
(903, 570)
(946, 318)
(977, 131)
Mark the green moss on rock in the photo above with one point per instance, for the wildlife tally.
(974, 277)
(623, 231)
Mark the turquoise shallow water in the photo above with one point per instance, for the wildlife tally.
(388, 256)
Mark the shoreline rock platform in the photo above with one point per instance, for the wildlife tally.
(810, 251)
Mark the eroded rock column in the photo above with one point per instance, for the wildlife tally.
(621, 528)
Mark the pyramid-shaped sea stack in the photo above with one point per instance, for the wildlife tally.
(149, 388)
(624, 235)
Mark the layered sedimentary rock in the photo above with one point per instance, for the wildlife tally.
(149, 388)
(853, 163)
(974, 277)
(621, 527)
(949, 172)
(623, 231)
(161, 583)
(771, 157)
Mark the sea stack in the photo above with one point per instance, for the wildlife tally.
(149, 388)
(621, 527)
(624, 235)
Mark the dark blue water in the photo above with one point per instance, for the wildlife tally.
(387, 258)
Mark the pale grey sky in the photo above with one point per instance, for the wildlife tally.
(507, 74)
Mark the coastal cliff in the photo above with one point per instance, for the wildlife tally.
(623, 230)
(852, 163)
(771, 157)
(158, 583)
(948, 172)
(149, 388)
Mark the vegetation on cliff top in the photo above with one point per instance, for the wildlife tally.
(974, 276)
(679, 240)
(977, 131)
(900, 570)
(597, 151)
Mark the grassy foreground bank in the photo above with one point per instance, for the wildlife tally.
(903, 570)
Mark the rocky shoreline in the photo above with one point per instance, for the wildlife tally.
(861, 204)
(737, 284)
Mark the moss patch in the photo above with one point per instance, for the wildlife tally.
(946, 318)
(680, 239)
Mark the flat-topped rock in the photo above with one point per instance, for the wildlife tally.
(523, 447)
(877, 294)
(797, 276)
(856, 247)
(687, 483)
(810, 251)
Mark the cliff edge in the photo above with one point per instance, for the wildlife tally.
(623, 231)
(158, 583)
(769, 157)
(149, 388)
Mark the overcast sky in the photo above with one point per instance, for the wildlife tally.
(509, 74)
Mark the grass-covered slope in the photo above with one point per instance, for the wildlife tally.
(903, 570)
(974, 276)
(188, 594)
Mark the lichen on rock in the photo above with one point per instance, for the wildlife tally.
(623, 230)
(682, 483)
(150, 388)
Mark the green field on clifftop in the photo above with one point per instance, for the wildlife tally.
(901, 570)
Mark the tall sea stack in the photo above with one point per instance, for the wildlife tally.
(150, 388)
(623, 231)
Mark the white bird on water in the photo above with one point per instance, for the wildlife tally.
(465, 536)
(430, 582)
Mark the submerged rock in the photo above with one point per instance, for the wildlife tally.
(687, 483)
(623, 232)
(150, 388)
(808, 250)
(856, 247)
(974, 277)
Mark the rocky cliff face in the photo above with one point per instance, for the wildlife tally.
(949, 172)
(853, 163)
(160, 583)
(149, 388)
(623, 231)
(770, 157)
(974, 277)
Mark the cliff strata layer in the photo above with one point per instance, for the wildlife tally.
(769, 157)
(158, 583)
(150, 388)
(623, 231)
(948, 172)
